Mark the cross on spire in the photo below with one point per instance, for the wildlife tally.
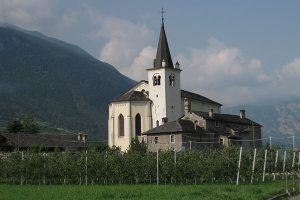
(162, 14)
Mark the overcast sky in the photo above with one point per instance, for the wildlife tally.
(235, 52)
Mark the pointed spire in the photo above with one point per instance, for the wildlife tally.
(163, 53)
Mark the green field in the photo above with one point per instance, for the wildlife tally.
(215, 191)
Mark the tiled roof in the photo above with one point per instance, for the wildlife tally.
(129, 94)
(46, 140)
(178, 126)
(191, 95)
(132, 96)
(226, 118)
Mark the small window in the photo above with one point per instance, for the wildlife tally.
(172, 80)
(172, 138)
(221, 141)
(158, 80)
(155, 140)
(217, 123)
(157, 123)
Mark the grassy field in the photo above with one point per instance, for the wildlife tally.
(61, 192)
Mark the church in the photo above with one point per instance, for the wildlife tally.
(164, 115)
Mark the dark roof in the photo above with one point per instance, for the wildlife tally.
(178, 126)
(191, 95)
(163, 51)
(226, 118)
(132, 95)
(46, 140)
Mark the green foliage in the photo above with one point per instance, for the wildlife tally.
(111, 166)
(137, 146)
(14, 127)
(24, 124)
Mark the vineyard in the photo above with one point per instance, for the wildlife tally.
(112, 166)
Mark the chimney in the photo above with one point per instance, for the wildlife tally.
(187, 106)
(164, 120)
(211, 113)
(79, 136)
(195, 125)
(84, 137)
(242, 114)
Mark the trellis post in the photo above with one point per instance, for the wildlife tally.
(253, 165)
(265, 163)
(175, 156)
(239, 166)
(293, 143)
(284, 157)
(293, 162)
(275, 168)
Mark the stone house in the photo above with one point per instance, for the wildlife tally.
(21, 141)
(178, 135)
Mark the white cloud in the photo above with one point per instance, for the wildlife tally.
(40, 15)
(127, 46)
(223, 73)
(290, 70)
(286, 79)
(143, 61)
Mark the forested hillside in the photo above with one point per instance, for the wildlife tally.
(55, 82)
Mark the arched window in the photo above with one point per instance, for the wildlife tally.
(154, 80)
(157, 123)
(121, 125)
(172, 80)
(138, 125)
(158, 80)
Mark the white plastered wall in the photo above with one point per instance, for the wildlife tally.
(129, 110)
(166, 99)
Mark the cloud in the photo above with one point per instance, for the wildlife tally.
(218, 71)
(142, 62)
(222, 72)
(286, 79)
(127, 46)
(39, 15)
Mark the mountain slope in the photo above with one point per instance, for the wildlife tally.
(55, 82)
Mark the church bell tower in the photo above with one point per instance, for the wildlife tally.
(164, 84)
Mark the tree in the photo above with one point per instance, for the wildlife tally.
(14, 127)
(137, 146)
(25, 124)
(29, 125)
